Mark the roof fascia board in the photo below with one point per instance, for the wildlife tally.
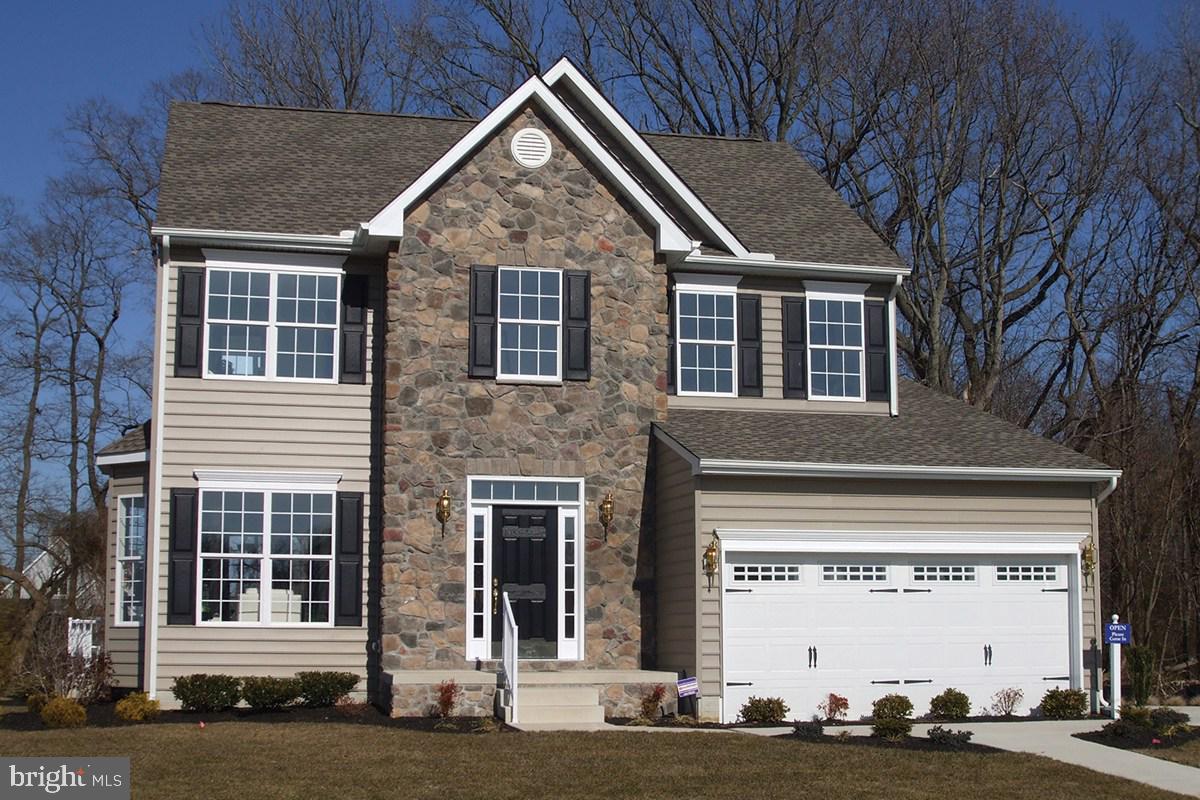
(675, 186)
(678, 448)
(344, 242)
(389, 223)
(707, 466)
(775, 266)
(123, 458)
(921, 542)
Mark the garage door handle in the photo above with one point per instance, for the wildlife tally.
(910, 591)
(890, 591)
(1055, 590)
(922, 680)
(732, 591)
(896, 682)
(739, 683)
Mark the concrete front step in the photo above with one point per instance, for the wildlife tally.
(549, 695)
(543, 704)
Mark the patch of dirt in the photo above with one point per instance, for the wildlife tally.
(1141, 739)
(918, 743)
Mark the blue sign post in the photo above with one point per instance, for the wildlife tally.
(1118, 633)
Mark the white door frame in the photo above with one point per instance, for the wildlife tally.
(917, 543)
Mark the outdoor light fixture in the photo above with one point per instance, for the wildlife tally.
(442, 510)
(711, 560)
(606, 513)
(1087, 563)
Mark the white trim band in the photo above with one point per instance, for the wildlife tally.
(951, 542)
(266, 481)
(123, 458)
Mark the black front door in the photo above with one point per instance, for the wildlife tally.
(525, 564)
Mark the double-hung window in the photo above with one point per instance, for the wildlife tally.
(131, 558)
(272, 324)
(705, 333)
(266, 557)
(835, 346)
(530, 324)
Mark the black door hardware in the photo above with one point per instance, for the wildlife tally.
(885, 591)
(1058, 678)
(911, 591)
(987, 655)
(812, 657)
(897, 682)
(1055, 590)
(739, 683)
(733, 591)
(922, 680)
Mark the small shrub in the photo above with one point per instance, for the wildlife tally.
(325, 689)
(813, 729)
(208, 693)
(834, 708)
(652, 702)
(1138, 716)
(950, 704)
(1064, 704)
(1140, 658)
(487, 725)
(270, 694)
(892, 717)
(449, 693)
(1167, 722)
(1124, 729)
(685, 721)
(63, 712)
(641, 722)
(955, 740)
(764, 710)
(136, 707)
(891, 729)
(35, 702)
(1005, 701)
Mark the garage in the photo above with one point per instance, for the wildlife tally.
(799, 625)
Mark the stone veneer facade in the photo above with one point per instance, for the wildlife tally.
(441, 426)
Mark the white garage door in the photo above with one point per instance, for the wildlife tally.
(799, 626)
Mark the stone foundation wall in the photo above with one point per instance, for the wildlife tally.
(440, 426)
(419, 700)
(625, 699)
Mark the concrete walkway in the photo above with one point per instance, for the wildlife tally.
(1054, 739)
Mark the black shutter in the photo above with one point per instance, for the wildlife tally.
(671, 339)
(482, 343)
(181, 566)
(577, 326)
(795, 365)
(348, 575)
(749, 342)
(876, 334)
(189, 322)
(354, 330)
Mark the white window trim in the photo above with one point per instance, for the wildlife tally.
(480, 647)
(714, 284)
(501, 375)
(122, 560)
(273, 269)
(266, 482)
(812, 292)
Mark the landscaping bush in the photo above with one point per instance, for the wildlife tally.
(948, 738)
(1140, 658)
(63, 712)
(1135, 715)
(201, 692)
(270, 694)
(1124, 728)
(35, 702)
(325, 689)
(1168, 722)
(449, 693)
(1005, 701)
(652, 702)
(950, 704)
(764, 710)
(136, 707)
(835, 707)
(892, 717)
(813, 729)
(1064, 704)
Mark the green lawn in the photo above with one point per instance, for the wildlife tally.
(240, 760)
(1188, 753)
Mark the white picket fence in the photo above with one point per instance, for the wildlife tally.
(81, 638)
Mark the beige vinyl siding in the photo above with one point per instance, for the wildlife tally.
(267, 426)
(121, 642)
(772, 291)
(865, 505)
(675, 572)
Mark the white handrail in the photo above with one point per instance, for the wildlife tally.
(509, 652)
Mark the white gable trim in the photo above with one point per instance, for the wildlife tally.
(565, 70)
(389, 222)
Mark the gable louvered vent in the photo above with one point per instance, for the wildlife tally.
(531, 148)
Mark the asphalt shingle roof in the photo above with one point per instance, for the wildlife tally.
(135, 440)
(281, 170)
(932, 430)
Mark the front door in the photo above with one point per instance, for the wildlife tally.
(525, 565)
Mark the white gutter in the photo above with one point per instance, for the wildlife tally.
(772, 265)
(123, 458)
(715, 466)
(343, 242)
(150, 618)
(1109, 489)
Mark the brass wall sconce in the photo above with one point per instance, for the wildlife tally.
(606, 513)
(710, 562)
(1087, 563)
(442, 510)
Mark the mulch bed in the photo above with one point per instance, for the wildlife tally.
(1140, 739)
(102, 715)
(918, 743)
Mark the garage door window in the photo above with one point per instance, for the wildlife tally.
(1043, 573)
(766, 573)
(853, 573)
(943, 573)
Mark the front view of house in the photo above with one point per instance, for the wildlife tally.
(432, 396)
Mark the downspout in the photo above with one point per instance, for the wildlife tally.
(1107, 490)
(893, 396)
(150, 618)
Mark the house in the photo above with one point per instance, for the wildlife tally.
(538, 398)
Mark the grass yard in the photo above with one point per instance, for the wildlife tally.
(239, 760)
(1188, 753)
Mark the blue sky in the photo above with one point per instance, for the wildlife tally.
(53, 54)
